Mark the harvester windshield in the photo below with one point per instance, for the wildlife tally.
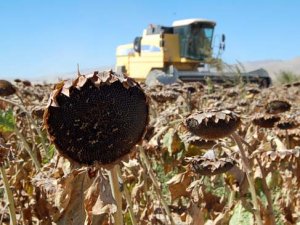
(195, 40)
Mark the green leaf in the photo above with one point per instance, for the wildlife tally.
(241, 216)
(7, 121)
(50, 153)
(172, 142)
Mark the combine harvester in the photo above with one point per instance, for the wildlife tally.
(182, 51)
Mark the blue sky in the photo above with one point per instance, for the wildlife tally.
(44, 38)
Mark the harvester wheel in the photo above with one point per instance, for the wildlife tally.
(159, 77)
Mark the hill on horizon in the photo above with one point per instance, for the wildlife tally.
(273, 67)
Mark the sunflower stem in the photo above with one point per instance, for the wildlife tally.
(33, 123)
(28, 149)
(128, 200)
(266, 189)
(155, 184)
(267, 192)
(248, 171)
(115, 187)
(287, 139)
(10, 198)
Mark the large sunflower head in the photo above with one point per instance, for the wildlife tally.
(96, 118)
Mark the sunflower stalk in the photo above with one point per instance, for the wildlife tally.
(28, 149)
(9, 196)
(267, 192)
(155, 184)
(115, 187)
(38, 130)
(128, 200)
(32, 122)
(266, 189)
(248, 171)
(287, 139)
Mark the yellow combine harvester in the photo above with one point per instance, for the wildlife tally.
(166, 54)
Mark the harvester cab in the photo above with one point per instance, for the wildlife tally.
(165, 54)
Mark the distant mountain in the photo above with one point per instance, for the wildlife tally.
(69, 75)
(72, 75)
(53, 78)
(274, 67)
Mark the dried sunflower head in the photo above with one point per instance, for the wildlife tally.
(195, 145)
(213, 124)
(209, 165)
(6, 88)
(26, 83)
(228, 85)
(243, 102)
(213, 97)
(277, 106)
(164, 96)
(190, 89)
(265, 121)
(96, 118)
(197, 141)
(288, 85)
(287, 124)
(253, 91)
(232, 93)
(17, 80)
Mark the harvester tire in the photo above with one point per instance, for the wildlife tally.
(159, 77)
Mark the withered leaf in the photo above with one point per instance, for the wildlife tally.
(98, 199)
(178, 185)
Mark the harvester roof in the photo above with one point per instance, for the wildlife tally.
(190, 21)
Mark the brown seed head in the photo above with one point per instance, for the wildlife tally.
(277, 106)
(228, 85)
(232, 94)
(288, 85)
(17, 80)
(197, 141)
(265, 121)
(209, 165)
(97, 118)
(164, 96)
(26, 83)
(296, 84)
(287, 124)
(243, 102)
(253, 91)
(6, 88)
(213, 124)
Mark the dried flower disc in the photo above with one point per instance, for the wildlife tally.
(213, 124)
(6, 88)
(97, 118)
